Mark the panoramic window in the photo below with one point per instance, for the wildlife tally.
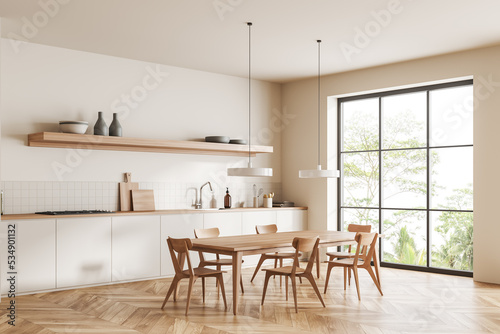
(405, 158)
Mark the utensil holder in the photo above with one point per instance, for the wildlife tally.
(268, 202)
(255, 202)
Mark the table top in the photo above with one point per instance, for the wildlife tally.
(255, 242)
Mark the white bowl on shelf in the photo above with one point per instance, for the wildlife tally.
(79, 127)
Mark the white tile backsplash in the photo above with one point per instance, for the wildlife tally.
(29, 197)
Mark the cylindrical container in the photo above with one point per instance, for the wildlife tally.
(255, 202)
(100, 127)
(115, 129)
(268, 202)
(227, 200)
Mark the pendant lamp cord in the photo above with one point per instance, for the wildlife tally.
(319, 101)
(249, 88)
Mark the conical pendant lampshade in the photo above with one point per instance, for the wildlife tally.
(318, 172)
(249, 171)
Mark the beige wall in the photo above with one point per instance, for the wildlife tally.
(299, 149)
(43, 85)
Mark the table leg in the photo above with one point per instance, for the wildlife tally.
(376, 263)
(237, 256)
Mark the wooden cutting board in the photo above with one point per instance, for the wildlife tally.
(143, 200)
(125, 192)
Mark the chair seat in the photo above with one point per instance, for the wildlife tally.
(345, 262)
(221, 262)
(340, 254)
(282, 255)
(200, 272)
(284, 270)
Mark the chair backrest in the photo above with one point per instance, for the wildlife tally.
(206, 232)
(305, 245)
(358, 228)
(366, 242)
(202, 233)
(262, 229)
(181, 247)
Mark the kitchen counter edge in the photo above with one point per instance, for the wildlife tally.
(139, 213)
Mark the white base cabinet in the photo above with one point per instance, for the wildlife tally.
(135, 250)
(70, 252)
(35, 255)
(83, 251)
(177, 226)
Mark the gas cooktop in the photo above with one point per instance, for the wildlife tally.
(77, 212)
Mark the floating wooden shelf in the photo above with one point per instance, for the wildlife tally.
(91, 142)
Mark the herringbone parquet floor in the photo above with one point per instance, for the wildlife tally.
(413, 302)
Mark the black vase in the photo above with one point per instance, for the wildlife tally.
(115, 129)
(100, 127)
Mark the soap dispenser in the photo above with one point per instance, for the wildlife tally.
(227, 199)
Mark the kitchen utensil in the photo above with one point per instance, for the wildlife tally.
(261, 191)
(238, 141)
(79, 127)
(254, 190)
(217, 139)
(143, 200)
(125, 192)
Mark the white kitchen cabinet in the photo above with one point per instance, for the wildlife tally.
(135, 250)
(35, 255)
(229, 223)
(83, 251)
(177, 226)
(291, 220)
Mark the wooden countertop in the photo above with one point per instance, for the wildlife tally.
(138, 213)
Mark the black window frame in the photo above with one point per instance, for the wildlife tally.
(428, 147)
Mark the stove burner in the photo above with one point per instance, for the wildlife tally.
(77, 212)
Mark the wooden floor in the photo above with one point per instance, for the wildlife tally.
(412, 303)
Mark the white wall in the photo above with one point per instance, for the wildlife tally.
(299, 149)
(42, 85)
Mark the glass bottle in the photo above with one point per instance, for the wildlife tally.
(227, 199)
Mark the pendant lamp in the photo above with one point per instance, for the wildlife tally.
(318, 172)
(249, 171)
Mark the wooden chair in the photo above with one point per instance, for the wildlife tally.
(217, 262)
(348, 254)
(300, 245)
(365, 241)
(272, 228)
(182, 247)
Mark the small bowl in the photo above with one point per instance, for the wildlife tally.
(79, 127)
(217, 139)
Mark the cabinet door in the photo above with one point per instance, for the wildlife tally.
(35, 252)
(229, 223)
(178, 226)
(83, 251)
(248, 222)
(135, 250)
(292, 220)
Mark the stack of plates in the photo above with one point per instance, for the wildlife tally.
(224, 140)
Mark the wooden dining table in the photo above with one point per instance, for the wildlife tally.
(238, 246)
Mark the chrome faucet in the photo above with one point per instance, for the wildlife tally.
(199, 204)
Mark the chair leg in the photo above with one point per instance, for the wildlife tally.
(190, 290)
(241, 284)
(349, 280)
(328, 272)
(294, 288)
(286, 287)
(173, 287)
(372, 274)
(221, 283)
(315, 287)
(345, 277)
(218, 268)
(203, 288)
(261, 261)
(317, 262)
(275, 266)
(266, 281)
(355, 271)
(281, 265)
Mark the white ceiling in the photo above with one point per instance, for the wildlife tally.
(193, 34)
